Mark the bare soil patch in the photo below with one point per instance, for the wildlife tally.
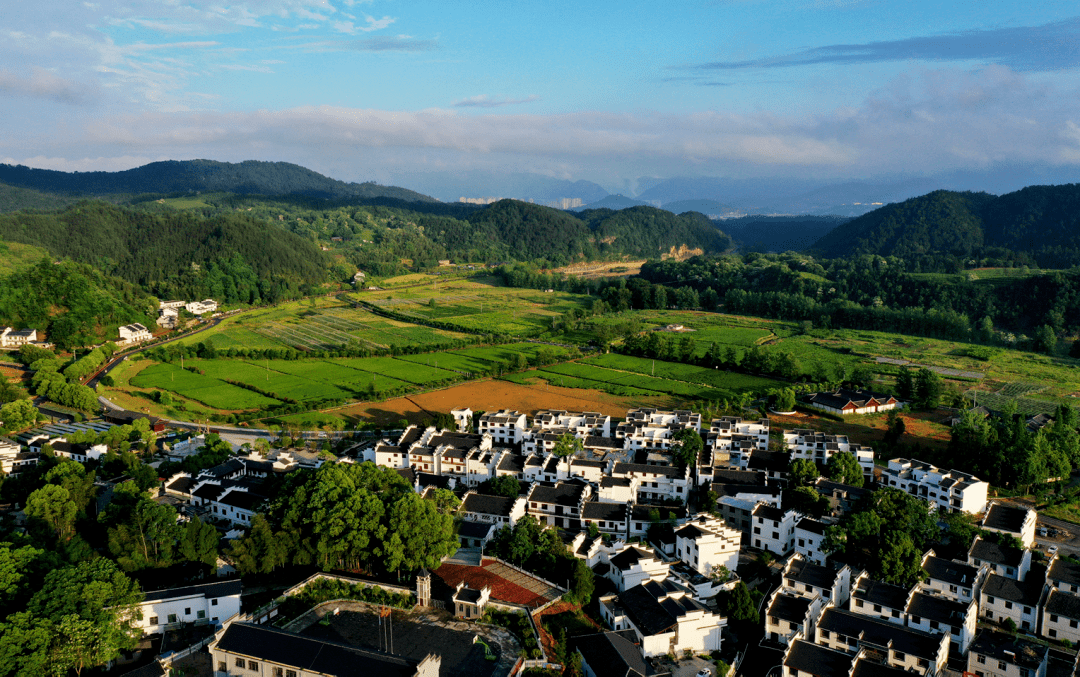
(492, 395)
(922, 427)
(602, 269)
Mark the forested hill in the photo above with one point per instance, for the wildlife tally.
(1038, 224)
(173, 176)
(229, 257)
(530, 232)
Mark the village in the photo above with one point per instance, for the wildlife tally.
(671, 514)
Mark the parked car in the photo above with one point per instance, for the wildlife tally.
(1042, 531)
(704, 672)
(1052, 550)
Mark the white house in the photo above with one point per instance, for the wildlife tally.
(463, 418)
(957, 581)
(12, 338)
(170, 305)
(790, 616)
(664, 618)
(820, 447)
(134, 333)
(201, 307)
(76, 452)
(1004, 561)
(498, 510)
(504, 426)
(707, 542)
(655, 482)
(248, 650)
(1013, 520)
(1004, 598)
(1061, 616)
(774, 529)
(654, 429)
(194, 604)
(580, 424)
(948, 490)
(632, 565)
(13, 459)
(904, 648)
(996, 654)
(809, 535)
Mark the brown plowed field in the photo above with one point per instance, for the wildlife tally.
(492, 395)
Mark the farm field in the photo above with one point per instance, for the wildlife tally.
(675, 371)
(479, 360)
(319, 324)
(637, 381)
(211, 391)
(492, 395)
(480, 304)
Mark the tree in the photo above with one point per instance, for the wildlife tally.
(426, 534)
(505, 485)
(445, 501)
(785, 400)
(51, 506)
(905, 385)
(1046, 339)
(806, 500)
(199, 543)
(737, 604)
(844, 468)
(581, 582)
(900, 562)
(72, 475)
(21, 569)
(927, 389)
(146, 536)
(803, 472)
(686, 446)
(260, 551)
(17, 415)
(568, 445)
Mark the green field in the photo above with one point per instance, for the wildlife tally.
(480, 360)
(675, 371)
(202, 388)
(399, 368)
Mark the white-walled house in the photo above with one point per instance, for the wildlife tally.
(656, 482)
(706, 542)
(1004, 561)
(774, 529)
(504, 426)
(809, 535)
(664, 618)
(1061, 616)
(634, 565)
(820, 447)
(134, 333)
(997, 654)
(901, 647)
(498, 510)
(1001, 598)
(194, 604)
(958, 581)
(1012, 520)
(949, 490)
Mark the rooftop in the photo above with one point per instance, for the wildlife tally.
(818, 660)
(207, 590)
(1005, 517)
(947, 571)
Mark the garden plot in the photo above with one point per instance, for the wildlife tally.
(211, 391)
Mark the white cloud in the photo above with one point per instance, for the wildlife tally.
(44, 84)
(484, 101)
(372, 24)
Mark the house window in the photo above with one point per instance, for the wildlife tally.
(252, 665)
(153, 620)
(979, 658)
(824, 634)
(279, 672)
(213, 602)
(1008, 605)
(859, 603)
(200, 614)
(290, 673)
(990, 600)
(239, 662)
(222, 666)
(172, 618)
(1053, 633)
(1072, 624)
(1053, 618)
(187, 611)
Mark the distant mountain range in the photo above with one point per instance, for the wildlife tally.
(173, 176)
(614, 202)
(1042, 221)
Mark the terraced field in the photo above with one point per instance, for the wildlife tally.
(203, 388)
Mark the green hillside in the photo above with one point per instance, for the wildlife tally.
(1038, 225)
(231, 257)
(172, 176)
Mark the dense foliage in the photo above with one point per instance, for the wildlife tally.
(231, 258)
(1038, 225)
(252, 176)
(73, 304)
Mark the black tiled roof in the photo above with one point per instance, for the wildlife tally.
(881, 633)
(938, 609)
(488, 505)
(811, 525)
(1027, 592)
(629, 557)
(988, 551)
(774, 461)
(245, 500)
(1065, 571)
(651, 610)
(609, 653)
(1005, 518)
(818, 660)
(1008, 648)
(599, 510)
(641, 469)
(471, 529)
(562, 493)
(208, 590)
(879, 592)
(802, 571)
(953, 573)
(769, 512)
(312, 655)
(1063, 604)
(791, 608)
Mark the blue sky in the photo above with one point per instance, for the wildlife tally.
(603, 91)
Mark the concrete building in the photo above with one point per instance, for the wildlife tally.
(1013, 520)
(707, 542)
(504, 426)
(190, 605)
(996, 654)
(948, 490)
(820, 447)
(774, 529)
(664, 618)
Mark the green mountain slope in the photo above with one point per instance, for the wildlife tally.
(249, 177)
(230, 257)
(1040, 223)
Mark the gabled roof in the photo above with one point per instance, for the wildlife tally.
(244, 500)
(488, 505)
(562, 493)
(880, 592)
(938, 609)
(1064, 570)
(772, 461)
(1005, 517)
(803, 571)
(811, 525)
(871, 630)
(603, 511)
(642, 469)
(988, 551)
(817, 660)
(769, 512)
(312, 655)
(789, 607)
(1063, 604)
(652, 610)
(208, 590)
(610, 653)
(631, 556)
(1027, 592)
(471, 529)
(952, 573)
(512, 462)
